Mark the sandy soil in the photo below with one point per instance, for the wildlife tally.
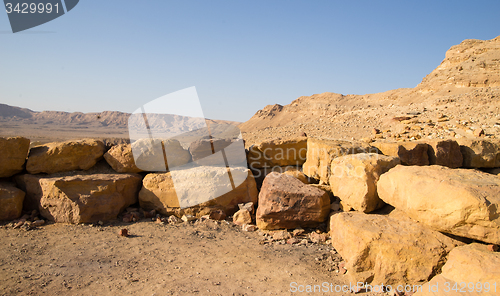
(195, 258)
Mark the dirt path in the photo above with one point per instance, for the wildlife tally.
(201, 258)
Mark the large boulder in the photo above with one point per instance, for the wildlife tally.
(354, 179)
(11, 201)
(286, 203)
(121, 159)
(456, 201)
(75, 198)
(469, 270)
(445, 153)
(198, 190)
(289, 152)
(480, 153)
(13, 153)
(321, 152)
(32, 203)
(410, 153)
(64, 156)
(383, 250)
(206, 152)
(159, 155)
(473, 263)
(203, 148)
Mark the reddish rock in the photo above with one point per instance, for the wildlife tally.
(123, 232)
(287, 203)
(295, 171)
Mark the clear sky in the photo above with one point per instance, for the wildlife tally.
(240, 55)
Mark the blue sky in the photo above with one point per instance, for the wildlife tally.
(240, 55)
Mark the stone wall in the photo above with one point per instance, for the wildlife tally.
(394, 210)
(83, 181)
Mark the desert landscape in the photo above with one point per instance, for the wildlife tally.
(394, 193)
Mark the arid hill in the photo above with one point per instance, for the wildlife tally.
(458, 97)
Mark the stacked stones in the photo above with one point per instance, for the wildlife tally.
(69, 182)
(398, 208)
(398, 212)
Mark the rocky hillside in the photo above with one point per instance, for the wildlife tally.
(457, 98)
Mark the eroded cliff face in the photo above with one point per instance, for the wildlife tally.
(472, 63)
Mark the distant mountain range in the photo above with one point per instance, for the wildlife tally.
(59, 125)
(105, 118)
